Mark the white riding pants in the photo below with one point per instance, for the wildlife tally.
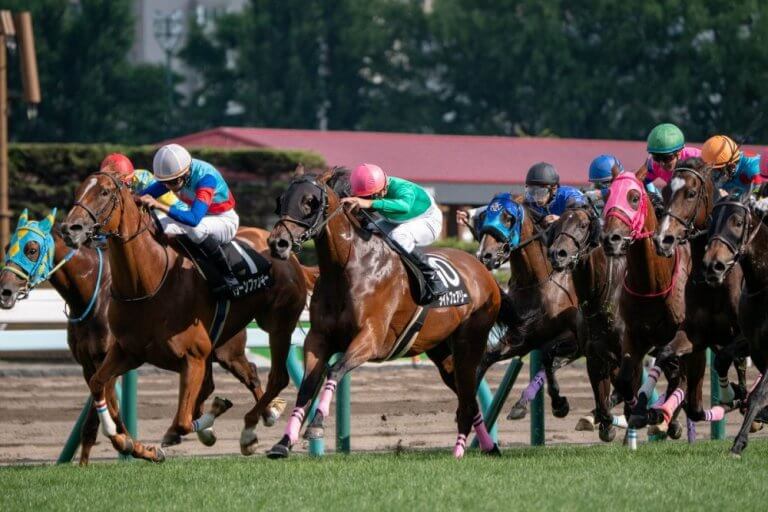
(222, 227)
(419, 231)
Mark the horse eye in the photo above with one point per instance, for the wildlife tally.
(104, 193)
(32, 250)
(739, 223)
(584, 225)
(690, 193)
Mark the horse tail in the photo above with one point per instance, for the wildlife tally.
(310, 276)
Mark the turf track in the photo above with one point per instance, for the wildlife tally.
(663, 476)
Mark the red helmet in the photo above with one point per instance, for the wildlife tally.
(118, 163)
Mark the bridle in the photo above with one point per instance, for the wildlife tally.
(689, 230)
(584, 245)
(736, 247)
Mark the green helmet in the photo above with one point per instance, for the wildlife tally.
(665, 138)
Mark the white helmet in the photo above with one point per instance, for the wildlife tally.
(170, 162)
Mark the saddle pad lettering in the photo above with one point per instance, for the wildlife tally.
(457, 294)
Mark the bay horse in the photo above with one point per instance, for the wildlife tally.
(597, 279)
(362, 306)
(737, 235)
(544, 313)
(711, 319)
(83, 279)
(652, 299)
(161, 310)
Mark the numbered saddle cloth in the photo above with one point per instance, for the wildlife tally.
(457, 294)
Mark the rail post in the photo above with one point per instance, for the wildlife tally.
(296, 372)
(343, 427)
(717, 429)
(129, 406)
(537, 405)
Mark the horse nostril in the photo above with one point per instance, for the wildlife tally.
(718, 267)
(562, 254)
(668, 240)
(6, 293)
(75, 228)
(615, 238)
(283, 244)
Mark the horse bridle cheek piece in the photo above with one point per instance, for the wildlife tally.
(737, 247)
(321, 218)
(584, 245)
(689, 231)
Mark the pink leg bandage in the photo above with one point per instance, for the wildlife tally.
(294, 424)
(461, 445)
(325, 397)
(714, 414)
(672, 403)
(483, 437)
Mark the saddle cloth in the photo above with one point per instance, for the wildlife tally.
(457, 294)
(251, 269)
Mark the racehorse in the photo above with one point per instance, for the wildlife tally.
(711, 312)
(545, 313)
(738, 235)
(652, 299)
(83, 280)
(161, 311)
(362, 306)
(575, 248)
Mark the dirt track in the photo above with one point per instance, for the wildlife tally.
(391, 406)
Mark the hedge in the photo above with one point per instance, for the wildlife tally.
(46, 175)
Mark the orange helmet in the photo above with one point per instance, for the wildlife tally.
(719, 151)
(118, 163)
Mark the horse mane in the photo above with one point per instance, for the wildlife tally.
(339, 181)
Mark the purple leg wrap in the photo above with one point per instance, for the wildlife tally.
(294, 424)
(535, 385)
(325, 397)
(461, 445)
(691, 430)
(483, 437)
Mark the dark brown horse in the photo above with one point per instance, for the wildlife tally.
(736, 235)
(652, 300)
(711, 312)
(597, 279)
(161, 310)
(362, 307)
(545, 313)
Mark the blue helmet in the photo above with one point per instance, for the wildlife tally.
(600, 168)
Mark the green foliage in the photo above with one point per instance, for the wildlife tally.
(47, 175)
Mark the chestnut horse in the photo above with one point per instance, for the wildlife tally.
(711, 312)
(575, 248)
(652, 300)
(362, 305)
(545, 313)
(83, 280)
(161, 310)
(736, 235)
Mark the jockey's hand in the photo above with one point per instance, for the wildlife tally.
(723, 193)
(462, 217)
(549, 219)
(149, 201)
(353, 203)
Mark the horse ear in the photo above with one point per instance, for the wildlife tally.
(23, 219)
(299, 170)
(642, 172)
(47, 223)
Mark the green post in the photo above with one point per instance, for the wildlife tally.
(485, 397)
(717, 427)
(296, 372)
(343, 428)
(73, 441)
(493, 409)
(129, 406)
(537, 405)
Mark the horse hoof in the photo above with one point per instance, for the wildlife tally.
(128, 448)
(560, 408)
(493, 452)
(207, 436)
(159, 456)
(756, 426)
(585, 424)
(249, 449)
(655, 417)
(735, 455)
(675, 430)
(517, 412)
(274, 411)
(220, 406)
(313, 433)
(170, 439)
(638, 420)
(607, 434)
(279, 451)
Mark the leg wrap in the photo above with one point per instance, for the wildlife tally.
(325, 397)
(460, 446)
(203, 422)
(483, 437)
(529, 393)
(108, 427)
(650, 382)
(671, 405)
(714, 414)
(294, 424)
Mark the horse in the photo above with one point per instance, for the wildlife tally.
(545, 314)
(83, 279)
(711, 312)
(161, 311)
(652, 299)
(362, 306)
(737, 235)
(575, 248)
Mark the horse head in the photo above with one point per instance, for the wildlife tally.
(500, 231)
(29, 259)
(574, 235)
(100, 203)
(689, 206)
(730, 234)
(627, 212)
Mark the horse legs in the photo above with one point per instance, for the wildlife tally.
(756, 401)
(599, 379)
(316, 355)
(90, 428)
(558, 355)
(268, 405)
(116, 363)
(669, 361)
(207, 436)
(628, 382)
(443, 359)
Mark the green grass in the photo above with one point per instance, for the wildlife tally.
(663, 476)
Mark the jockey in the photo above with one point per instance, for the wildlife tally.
(602, 171)
(666, 145)
(544, 195)
(735, 173)
(136, 179)
(411, 216)
(210, 221)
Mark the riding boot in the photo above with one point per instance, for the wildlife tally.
(434, 282)
(215, 253)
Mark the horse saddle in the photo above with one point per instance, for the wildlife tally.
(251, 269)
(457, 294)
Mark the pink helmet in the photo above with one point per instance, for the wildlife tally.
(367, 179)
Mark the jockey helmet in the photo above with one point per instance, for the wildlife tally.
(600, 170)
(720, 151)
(367, 180)
(542, 174)
(665, 138)
(171, 161)
(119, 164)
